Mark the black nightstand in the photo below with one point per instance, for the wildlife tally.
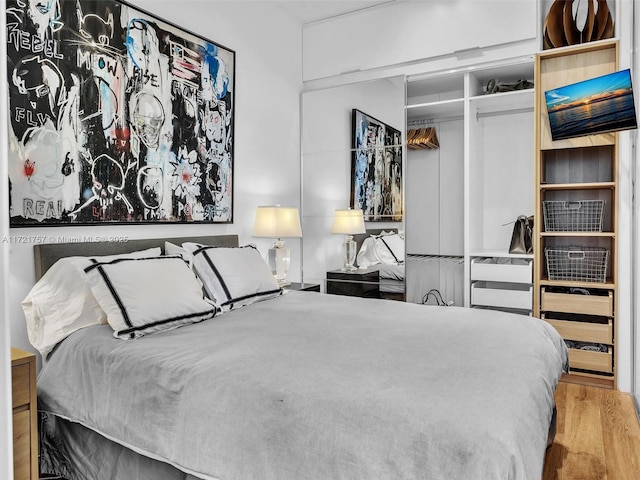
(359, 283)
(303, 287)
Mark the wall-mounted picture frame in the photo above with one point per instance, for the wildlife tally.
(116, 116)
(376, 169)
(595, 105)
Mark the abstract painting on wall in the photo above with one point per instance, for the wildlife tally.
(116, 116)
(376, 170)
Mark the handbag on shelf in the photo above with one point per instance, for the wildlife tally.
(522, 236)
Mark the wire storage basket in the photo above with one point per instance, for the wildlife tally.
(577, 264)
(573, 216)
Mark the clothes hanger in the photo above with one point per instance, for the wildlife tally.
(422, 138)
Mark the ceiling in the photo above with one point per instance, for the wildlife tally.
(309, 11)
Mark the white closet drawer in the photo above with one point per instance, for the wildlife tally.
(488, 269)
(517, 311)
(505, 295)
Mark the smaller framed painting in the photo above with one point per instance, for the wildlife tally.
(596, 105)
(376, 169)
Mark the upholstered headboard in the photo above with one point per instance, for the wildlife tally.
(49, 253)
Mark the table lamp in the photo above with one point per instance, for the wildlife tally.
(348, 222)
(278, 222)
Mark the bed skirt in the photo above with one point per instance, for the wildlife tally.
(74, 452)
(63, 443)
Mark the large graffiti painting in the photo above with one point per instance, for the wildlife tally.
(116, 116)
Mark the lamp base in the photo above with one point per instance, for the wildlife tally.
(279, 259)
(349, 249)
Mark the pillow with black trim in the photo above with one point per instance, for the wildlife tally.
(390, 248)
(386, 248)
(233, 276)
(147, 295)
(61, 302)
(172, 249)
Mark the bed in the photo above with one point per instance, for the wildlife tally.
(296, 385)
(383, 250)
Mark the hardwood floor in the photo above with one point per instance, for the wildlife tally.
(597, 437)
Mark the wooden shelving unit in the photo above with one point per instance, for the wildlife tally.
(579, 168)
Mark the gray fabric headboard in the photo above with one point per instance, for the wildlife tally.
(47, 254)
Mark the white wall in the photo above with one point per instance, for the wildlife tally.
(268, 47)
(625, 317)
(636, 219)
(6, 453)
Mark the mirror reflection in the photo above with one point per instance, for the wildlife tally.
(352, 141)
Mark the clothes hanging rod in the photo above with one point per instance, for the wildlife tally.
(431, 121)
(435, 258)
(496, 113)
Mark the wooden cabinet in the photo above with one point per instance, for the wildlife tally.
(575, 267)
(359, 283)
(25, 415)
(597, 302)
(583, 330)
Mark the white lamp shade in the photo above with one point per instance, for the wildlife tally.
(348, 222)
(277, 222)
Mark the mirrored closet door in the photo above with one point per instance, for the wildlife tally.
(335, 174)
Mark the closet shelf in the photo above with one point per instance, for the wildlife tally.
(504, 102)
(444, 108)
(500, 254)
(484, 104)
(579, 234)
(563, 283)
(578, 186)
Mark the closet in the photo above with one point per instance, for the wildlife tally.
(463, 195)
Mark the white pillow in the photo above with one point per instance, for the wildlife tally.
(386, 248)
(233, 276)
(173, 249)
(146, 295)
(367, 254)
(390, 248)
(61, 302)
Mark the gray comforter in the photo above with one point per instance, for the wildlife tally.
(312, 386)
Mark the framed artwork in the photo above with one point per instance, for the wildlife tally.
(589, 107)
(116, 116)
(376, 170)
